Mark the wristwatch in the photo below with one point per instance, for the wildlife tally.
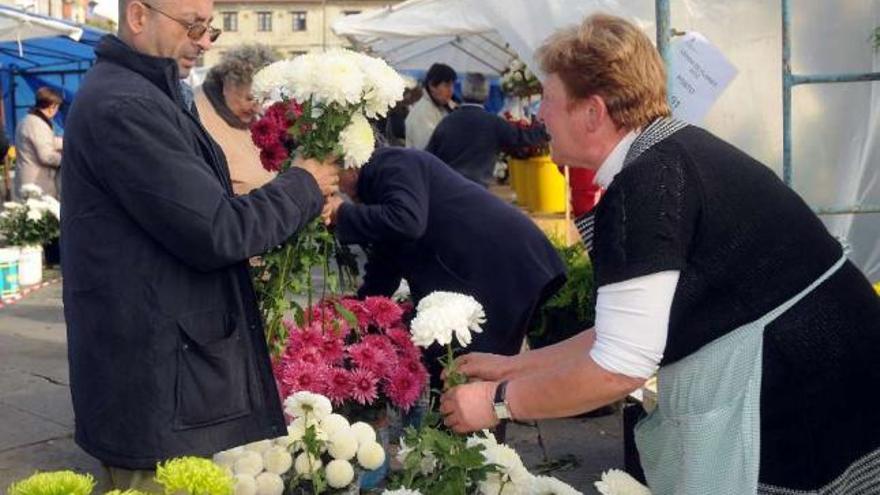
(502, 410)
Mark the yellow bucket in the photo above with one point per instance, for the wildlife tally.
(548, 186)
(519, 180)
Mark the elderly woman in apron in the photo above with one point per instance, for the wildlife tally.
(711, 273)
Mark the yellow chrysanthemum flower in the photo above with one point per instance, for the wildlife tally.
(193, 476)
(54, 483)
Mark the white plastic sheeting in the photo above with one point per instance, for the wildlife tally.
(836, 141)
(17, 25)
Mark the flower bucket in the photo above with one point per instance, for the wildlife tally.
(30, 265)
(548, 186)
(370, 480)
(9, 272)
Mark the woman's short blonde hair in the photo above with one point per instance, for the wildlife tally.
(610, 57)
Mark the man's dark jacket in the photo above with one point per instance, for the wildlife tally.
(166, 347)
(470, 138)
(426, 223)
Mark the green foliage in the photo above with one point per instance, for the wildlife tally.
(19, 228)
(575, 298)
(193, 476)
(54, 483)
(438, 462)
(287, 271)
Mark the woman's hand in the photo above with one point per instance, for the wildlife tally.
(326, 174)
(469, 407)
(331, 208)
(483, 366)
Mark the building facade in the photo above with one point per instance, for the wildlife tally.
(292, 27)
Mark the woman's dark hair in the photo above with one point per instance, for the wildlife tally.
(438, 74)
(46, 97)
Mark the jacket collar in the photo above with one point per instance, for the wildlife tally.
(162, 72)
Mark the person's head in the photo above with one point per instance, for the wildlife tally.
(604, 78)
(176, 29)
(48, 101)
(235, 73)
(348, 179)
(475, 88)
(439, 81)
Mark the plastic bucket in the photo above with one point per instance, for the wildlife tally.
(9, 286)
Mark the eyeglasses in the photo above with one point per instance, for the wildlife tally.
(194, 30)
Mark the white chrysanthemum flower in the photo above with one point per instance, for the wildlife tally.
(308, 404)
(333, 423)
(371, 456)
(546, 485)
(286, 441)
(306, 464)
(403, 451)
(340, 79)
(270, 83)
(363, 432)
(269, 484)
(31, 191)
(617, 482)
(512, 475)
(12, 205)
(343, 444)
(339, 473)
(245, 485)
(226, 458)
(442, 314)
(52, 206)
(259, 446)
(428, 464)
(34, 215)
(277, 460)
(383, 86)
(248, 463)
(358, 141)
(402, 491)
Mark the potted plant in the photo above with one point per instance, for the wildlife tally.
(28, 226)
(572, 309)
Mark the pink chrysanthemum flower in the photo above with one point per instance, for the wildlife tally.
(332, 349)
(360, 312)
(404, 388)
(368, 357)
(298, 376)
(364, 386)
(304, 338)
(339, 385)
(384, 312)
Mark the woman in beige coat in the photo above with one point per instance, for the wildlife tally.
(38, 150)
(227, 109)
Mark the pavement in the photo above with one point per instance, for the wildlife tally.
(36, 418)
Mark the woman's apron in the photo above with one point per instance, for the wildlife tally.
(704, 437)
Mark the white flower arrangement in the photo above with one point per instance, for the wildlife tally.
(617, 482)
(512, 477)
(35, 221)
(262, 467)
(546, 485)
(337, 86)
(440, 315)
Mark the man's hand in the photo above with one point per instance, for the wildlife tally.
(469, 407)
(483, 366)
(331, 209)
(326, 174)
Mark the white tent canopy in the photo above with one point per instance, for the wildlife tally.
(17, 25)
(836, 136)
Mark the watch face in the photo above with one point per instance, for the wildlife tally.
(501, 411)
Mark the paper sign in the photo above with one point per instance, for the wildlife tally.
(698, 75)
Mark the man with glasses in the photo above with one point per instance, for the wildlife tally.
(166, 347)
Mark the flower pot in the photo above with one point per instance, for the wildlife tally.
(30, 265)
(9, 272)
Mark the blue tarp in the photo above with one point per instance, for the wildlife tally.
(58, 62)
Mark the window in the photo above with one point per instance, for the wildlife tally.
(230, 21)
(299, 20)
(264, 21)
(351, 12)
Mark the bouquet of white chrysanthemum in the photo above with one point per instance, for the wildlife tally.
(319, 454)
(34, 222)
(315, 106)
(442, 315)
(617, 482)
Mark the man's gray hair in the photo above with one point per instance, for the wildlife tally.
(475, 88)
(238, 65)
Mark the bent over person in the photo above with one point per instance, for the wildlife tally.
(166, 347)
(711, 273)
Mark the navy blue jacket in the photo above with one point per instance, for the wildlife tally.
(166, 347)
(470, 138)
(426, 223)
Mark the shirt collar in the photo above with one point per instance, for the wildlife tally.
(613, 163)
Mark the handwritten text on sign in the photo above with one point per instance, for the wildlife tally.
(698, 75)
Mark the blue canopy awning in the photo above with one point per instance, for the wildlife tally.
(57, 62)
